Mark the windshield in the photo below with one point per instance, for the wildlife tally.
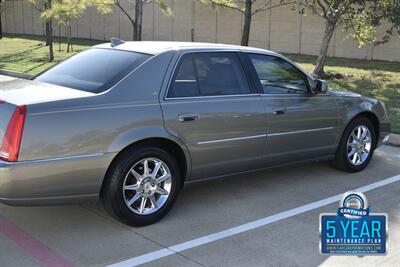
(93, 70)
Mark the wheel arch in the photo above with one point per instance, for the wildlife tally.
(371, 116)
(174, 147)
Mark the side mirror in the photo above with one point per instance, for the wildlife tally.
(320, 87)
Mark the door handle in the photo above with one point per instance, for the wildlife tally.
(279, 111)
(188, 117)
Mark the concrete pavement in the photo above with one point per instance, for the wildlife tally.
(85, 235)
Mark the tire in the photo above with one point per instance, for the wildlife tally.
(122, 185)
(342, 160)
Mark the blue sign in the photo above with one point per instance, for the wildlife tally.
(353, 230)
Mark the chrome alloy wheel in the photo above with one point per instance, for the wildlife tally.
(359, 145)
(147, 186)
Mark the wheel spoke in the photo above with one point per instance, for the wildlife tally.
(137, 175)
(354, 137)
(352, 145)
(133, 187)
(156, 169)
(354, 160)
(163, 178)
(143, 204)
(359, 129)
(161, 191)
(351, 153)
(364, 134)
(153, 202)
(366, 140)
(146, 168)
(134, 198)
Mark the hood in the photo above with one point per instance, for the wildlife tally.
(25, 92)
(344, 93)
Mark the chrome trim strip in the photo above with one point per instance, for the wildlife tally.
(186, 81)
(211, 96)
(51, 159)
(231, 139)
(301, 131)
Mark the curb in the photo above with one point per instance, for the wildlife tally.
(16, 74)
(393, 140)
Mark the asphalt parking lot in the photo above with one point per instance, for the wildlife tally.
(84, 235)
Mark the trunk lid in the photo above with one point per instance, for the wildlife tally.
(6, 111)
(26, 92)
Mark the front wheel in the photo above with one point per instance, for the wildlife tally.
(356, 147)
(142, 186)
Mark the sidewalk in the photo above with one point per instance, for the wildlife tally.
(394, 140)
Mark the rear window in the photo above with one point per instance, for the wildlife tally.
(93, 70)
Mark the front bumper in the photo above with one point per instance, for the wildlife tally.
(53, 181)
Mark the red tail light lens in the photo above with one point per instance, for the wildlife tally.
(9, 150)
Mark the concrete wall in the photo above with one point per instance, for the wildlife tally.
(280, 29)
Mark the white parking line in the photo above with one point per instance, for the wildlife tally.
(158, 254)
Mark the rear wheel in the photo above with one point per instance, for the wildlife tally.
(142, 186)
(356, 147)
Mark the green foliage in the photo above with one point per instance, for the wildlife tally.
(162, 4)
(359, 18)
(222, 3)
(63, 11)
(381, 12)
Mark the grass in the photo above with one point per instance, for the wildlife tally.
(373, 78)
(28, 53)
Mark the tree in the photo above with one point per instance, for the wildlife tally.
(2, 8)
(42, 6)
(383, 13)
(136, 18)
(246, 7)
(63, 11)
(359, 19)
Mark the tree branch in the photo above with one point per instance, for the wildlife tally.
(267, 7)
(126, 13)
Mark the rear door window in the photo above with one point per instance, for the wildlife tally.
(209, 74)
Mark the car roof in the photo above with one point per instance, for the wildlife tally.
(157, 47)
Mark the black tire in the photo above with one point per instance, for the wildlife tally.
(341, 160)
(112, 194)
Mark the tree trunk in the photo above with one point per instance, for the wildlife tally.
(1, 25)
(69, 44)
(49, 32)
(328, 33)
(51, 53)
(47, 27)
(247, 23)
(137, 28)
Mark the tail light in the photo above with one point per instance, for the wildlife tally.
(9, 150)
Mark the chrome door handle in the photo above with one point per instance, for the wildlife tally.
(188, 117)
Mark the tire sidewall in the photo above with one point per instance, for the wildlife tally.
(113, 195)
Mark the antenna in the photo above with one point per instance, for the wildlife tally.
(116, 41)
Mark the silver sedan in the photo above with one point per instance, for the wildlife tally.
(131, 122)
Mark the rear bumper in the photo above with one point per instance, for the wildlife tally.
(53, 181)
